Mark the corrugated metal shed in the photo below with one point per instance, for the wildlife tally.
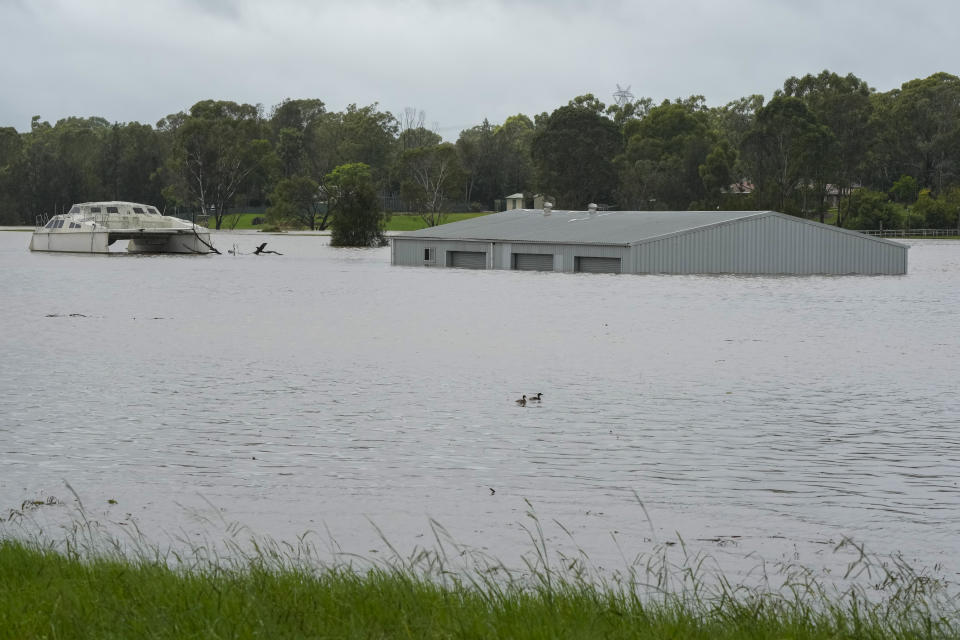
(653, 242)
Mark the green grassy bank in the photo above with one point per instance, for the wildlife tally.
(397, 222)
(69, 594)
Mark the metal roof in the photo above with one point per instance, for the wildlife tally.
(618, 228)
(606, 227)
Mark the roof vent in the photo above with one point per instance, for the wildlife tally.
(592, 208)
(547, 208)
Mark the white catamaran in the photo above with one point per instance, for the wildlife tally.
(91, 227)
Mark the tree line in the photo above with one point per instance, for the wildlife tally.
(825, 146)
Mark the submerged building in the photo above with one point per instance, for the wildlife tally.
(682, 242)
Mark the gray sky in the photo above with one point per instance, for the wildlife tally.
(460, 61)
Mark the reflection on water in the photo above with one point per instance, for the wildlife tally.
(325, 388)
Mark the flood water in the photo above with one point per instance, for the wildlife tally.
(325, 390)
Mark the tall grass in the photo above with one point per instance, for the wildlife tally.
(85, 584)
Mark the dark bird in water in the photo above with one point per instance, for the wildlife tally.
(522, 401)
(535, 398)
(491, 490)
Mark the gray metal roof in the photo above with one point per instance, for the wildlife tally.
(606, 227)
(619, 228)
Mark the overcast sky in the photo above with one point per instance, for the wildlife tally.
(460, 61)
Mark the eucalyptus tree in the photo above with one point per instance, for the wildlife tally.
(297, 200)
(660, 167)
(513, 140)
(217, 151)
(11, 149)
(843, 105)
(299, 115)
(573, 151)
(634, 110)
(58, 165)
(367, 135)
(921, 126)
(131, 156)
(780, 149)
(481, 162)
(734, 120)
(430, 176)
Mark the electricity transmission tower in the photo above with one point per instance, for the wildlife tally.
(622, 96)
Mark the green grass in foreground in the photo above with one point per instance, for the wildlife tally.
(274, 593)
(397, 222)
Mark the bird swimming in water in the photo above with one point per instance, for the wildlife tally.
(522, 401)
(535, 398)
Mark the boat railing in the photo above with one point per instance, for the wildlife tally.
(41, 221)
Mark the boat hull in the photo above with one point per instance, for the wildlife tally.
(139, 241)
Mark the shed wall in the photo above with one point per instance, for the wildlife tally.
(410, 252)
(772, 245)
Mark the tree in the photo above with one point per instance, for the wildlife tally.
(921, 130)
(299, 115)
(58, 165)
(430, 175)
(904, 190)
(716, 173)
(660, 168)
(938, 212)
(216, 150)
(843, 105)
(297, 200)
(780, 149)
(367, 135)
(573, 153)
(513, 141)
(352, 197)
(11, 148)
(866, 209)
(131, 156)
(478, 151)
(636, 110)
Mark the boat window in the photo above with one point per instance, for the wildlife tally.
(137, 210)
(112, 210)
(58, 224)
(50, 225)
(152, 210)
(94, 209)
(74, 225)
(75, 210)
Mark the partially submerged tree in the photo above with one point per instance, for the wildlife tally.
(357, 218)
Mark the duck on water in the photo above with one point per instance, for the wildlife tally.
(91, 227)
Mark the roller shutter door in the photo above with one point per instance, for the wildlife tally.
(533, 261)
(468, 259)
(585, 264)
